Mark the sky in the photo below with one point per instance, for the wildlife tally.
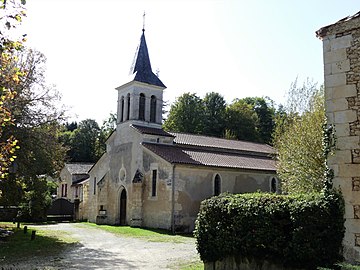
(237, 48)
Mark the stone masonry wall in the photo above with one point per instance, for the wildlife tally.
(341, 48)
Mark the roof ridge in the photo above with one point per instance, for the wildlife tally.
(225, 139)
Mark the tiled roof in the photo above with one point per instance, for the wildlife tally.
(151, 131)
(78, 168)
(142, 66)
(205, 141)
(183, 155)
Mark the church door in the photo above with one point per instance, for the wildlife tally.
(123, 207)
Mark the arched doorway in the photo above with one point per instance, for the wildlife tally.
(123, 207)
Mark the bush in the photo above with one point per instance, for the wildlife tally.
(296, 231)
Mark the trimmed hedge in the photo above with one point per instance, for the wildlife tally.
(303, 231)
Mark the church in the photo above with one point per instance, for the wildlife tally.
(152, 178)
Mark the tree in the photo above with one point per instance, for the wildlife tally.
(241, 121)
(106, 129)
(84, 141)
(36, 126)
(9, 78)
(186, 115)
(265, 111)
(214, 116)
(298, 139)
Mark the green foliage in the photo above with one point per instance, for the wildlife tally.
(241, 121)
(249, 119)
(86, 141)
(12, 13)
(265, 111)
(298, 139)
(215, 109)
(37, 200)
(186, 115)
(297, 231)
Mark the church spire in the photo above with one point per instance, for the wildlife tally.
(142, 67)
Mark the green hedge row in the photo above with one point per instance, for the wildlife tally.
(302, 231)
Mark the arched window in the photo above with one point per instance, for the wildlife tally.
(142, 107)
(122, 109)
(273, 185)
(153, 109)
(128, 107)
(217, 185)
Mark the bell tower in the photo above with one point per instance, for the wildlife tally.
(140, 100)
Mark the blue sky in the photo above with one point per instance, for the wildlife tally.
(234, 47)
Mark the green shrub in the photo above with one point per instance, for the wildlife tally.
(297, 231)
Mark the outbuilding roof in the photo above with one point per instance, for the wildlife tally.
(78, 168)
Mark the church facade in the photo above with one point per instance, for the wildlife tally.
(152, 178)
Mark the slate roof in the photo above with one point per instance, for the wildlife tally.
(151, 131)
(219, 143)
(78, 168)
(142, 66)
(180, 154)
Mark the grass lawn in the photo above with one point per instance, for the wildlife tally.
(19, 246)
(151, 235)
(190, 265)
(343, 266)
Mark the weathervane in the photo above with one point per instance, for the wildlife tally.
(144, 21)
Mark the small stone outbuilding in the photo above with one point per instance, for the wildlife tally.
(73, 186)
(152, 178)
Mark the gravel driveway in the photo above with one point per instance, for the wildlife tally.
(99, 249)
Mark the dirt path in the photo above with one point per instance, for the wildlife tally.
(99, 249)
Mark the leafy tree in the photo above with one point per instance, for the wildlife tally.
(298, 139)
(106, 129)
(186, 115)
(265, 111)
(36, 126)
(84, 141)
(214, 117)
(12, 14)
(71, 126)
(241, 121)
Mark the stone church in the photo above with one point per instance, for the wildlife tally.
(152, 178)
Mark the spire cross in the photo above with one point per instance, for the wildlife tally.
(144, 21)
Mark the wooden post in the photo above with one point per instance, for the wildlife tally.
(33, 233)
(18, 225)
(25, 229)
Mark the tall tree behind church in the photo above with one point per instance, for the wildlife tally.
(186, 115)
(86, 141)
(215, 113)
(250, 119)
(265, 111)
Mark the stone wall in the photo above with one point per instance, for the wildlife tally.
(341, 49)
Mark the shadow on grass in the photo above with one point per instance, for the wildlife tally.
(20, 246)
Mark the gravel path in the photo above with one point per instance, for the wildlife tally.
(99, 249)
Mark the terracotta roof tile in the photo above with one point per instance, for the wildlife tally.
(151, 131)
(182, 155)
(205, 141)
